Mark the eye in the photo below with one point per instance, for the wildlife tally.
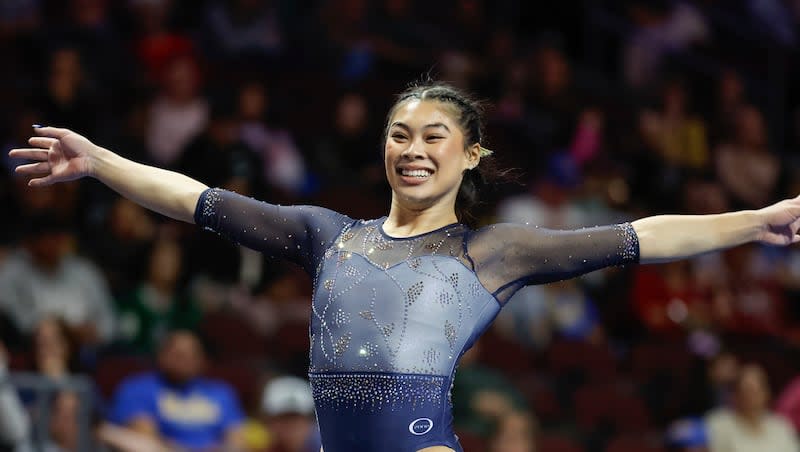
(434, 137)
(398, 136)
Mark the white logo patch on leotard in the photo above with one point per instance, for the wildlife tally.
(420, 426)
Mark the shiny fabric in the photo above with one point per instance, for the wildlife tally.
(392, 316)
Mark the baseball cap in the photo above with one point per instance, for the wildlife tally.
(287, 395)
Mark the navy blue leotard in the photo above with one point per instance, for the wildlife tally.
(391, 316)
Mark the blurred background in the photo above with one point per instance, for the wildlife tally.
(609, 111)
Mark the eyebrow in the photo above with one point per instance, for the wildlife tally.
(426, 126)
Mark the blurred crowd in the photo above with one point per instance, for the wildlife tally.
(606, 112)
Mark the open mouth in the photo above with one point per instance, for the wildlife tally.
(416, 173)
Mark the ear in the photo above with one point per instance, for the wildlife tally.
(473, 156)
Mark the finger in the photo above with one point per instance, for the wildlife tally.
(42, 142)
(52, 132)
(41, 181)
(30, 154)
(33, 169)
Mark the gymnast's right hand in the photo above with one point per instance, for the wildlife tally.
(59, 155)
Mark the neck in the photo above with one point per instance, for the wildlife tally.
(751, 418)
(405, 222)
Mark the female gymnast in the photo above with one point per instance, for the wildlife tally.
(398, 299)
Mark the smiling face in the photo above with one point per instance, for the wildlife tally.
(425, 155)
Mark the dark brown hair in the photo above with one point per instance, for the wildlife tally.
(468, 113)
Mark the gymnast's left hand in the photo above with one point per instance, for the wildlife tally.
(780, 222)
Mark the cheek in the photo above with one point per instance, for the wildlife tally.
(390, 151)
(449, 159)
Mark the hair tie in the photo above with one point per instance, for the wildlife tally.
(485, 152)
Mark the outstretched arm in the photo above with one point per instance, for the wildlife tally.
(666, 238)
(509, 256)
(62, 155)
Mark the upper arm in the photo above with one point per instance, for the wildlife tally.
(509, 256)
(297, 233)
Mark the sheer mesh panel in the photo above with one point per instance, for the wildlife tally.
(505, 257)
(297, 233)
(384, 251)
(509, 256)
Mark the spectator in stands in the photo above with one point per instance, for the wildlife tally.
(176, 404)
(678, 137)
(244, 29)
(288, 408)
(667, 299)
(157, 306)
(559, 310)
(64, 426)
(747, 299)
(551, 201)
(661, 28)
(343, 34)
(127, 233)
(218, 156)
(749, 425)
(745, 165)
(55, 355)
(514, 432)
(14, 423)
(687, 435)
(350, 152)
(178, 114)
(156, 43)
(283, 166)
(788, 403)
(46, 278)
(55, 359)
(553, 102)
(481, 395)
(67, 99)
(730, 98)
(713, 383)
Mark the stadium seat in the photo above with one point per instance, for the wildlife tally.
(505, 355)
(606, 405)
(243, 377)
(231, 337)
(558, 443)
(111, 370)
(633, 443)
(592, 362)
(470, 441)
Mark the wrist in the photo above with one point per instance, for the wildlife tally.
(98, 161)
(753, 225)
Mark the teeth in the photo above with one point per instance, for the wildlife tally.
(416, 173)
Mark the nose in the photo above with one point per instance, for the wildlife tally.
(413, 150)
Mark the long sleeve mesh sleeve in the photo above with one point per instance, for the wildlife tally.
(509, 256)
(299, 234)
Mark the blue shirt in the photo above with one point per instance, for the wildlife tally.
(196, 415)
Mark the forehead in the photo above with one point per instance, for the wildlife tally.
(417, 113)
(182, 342)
